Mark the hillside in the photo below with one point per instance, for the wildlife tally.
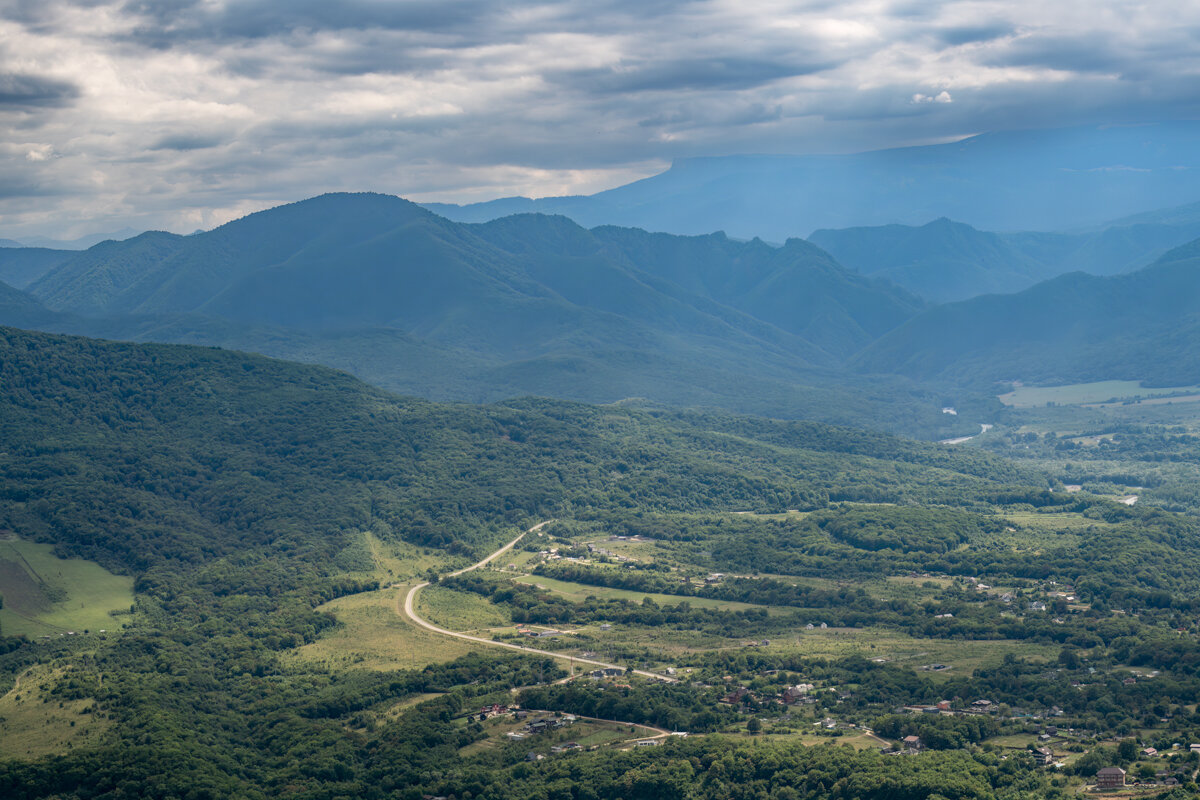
(21, 266)
(1138, 326)
(526, 305)
(945, 261)
(1008, 181)
(267, 511)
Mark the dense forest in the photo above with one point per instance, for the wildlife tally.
(236, 491)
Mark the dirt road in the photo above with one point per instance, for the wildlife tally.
(407, 609)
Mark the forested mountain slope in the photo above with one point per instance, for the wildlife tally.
(945, 261)
(237, 491)
(527, 305)
(21, 266)
(1139, 326)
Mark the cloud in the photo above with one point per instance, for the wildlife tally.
(187, 141)
(685, 74)
(940, 97)
(167, 113)
(26, 92)
(958, 35)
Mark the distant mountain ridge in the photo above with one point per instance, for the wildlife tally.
(1007, 181)
(78, 243)
(21, 266)
(526, 305)
(1143, 325)
(945, 261)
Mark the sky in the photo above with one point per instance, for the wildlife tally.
(184, 114)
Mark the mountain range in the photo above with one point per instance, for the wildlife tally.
(1005, 181)
(538, 305)
(78, 243)
(530, 304)
(945, 260)
(1143, 325)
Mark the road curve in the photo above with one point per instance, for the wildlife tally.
(410, 612)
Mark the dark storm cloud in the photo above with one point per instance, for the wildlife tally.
(728, 72)
(972, 34)
(188, 141)
(167, 106)
(165, 23)
(26, 92)
(1065, 52)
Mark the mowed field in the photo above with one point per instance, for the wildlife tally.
(371, 635)
(47, 595)
(33, 725)
(577, 592)
(1087, 393)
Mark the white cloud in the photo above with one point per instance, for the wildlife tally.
(941, 97)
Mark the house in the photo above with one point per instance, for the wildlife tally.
(736, 696)
(912, 742)
(606, 672)
(1110, 778)
(794, 693)
(1149, 752)
(1195, 748)
(648, 743)
(1043, 756)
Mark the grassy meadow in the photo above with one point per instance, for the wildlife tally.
(46, 596)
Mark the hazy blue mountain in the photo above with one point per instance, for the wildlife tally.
(19, 309)
(10, 243)
(945, 261)
(1176, 216)
(798, 288)
(78, 243)
(21, 266)
(941, 261)
(1143, 325)
(526, 305)
(1017, 180)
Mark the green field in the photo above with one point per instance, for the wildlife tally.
(1081, 393)
(45, 595)
(459, 611)
(32, 725)
(577, 592)
(371, 634)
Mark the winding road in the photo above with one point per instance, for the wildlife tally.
(407, 609)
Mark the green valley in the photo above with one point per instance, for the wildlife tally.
(272, 518)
